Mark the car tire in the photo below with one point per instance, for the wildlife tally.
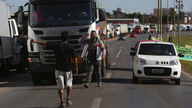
(135, 79)
(177, 81)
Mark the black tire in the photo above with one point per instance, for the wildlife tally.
(135, 79)
(21, 66)
(5, 69)
(36, 79)
(177, 81)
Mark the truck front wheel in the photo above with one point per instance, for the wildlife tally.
(36, 79)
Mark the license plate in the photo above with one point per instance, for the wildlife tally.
(158, 71)
(79, 59)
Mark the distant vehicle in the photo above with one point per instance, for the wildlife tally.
(121, 37)
(155, 60)
(139, 29)
(188, 28)
(146, 29)
(130, 29)
(133, 34)
(153, 29)
(13, 52)
(117, 30)
(123, 28)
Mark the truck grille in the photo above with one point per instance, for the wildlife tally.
(147, 71)
(48, 57)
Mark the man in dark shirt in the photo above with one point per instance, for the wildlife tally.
(63, 53)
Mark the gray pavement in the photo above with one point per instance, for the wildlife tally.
(118, 91)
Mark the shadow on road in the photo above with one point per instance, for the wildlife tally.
(117, 80)
(121, 69)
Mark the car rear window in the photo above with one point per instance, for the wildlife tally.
(157, 49)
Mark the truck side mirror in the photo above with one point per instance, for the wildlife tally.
(21, 18)
(102, 15)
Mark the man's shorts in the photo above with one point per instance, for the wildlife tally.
(60, 76)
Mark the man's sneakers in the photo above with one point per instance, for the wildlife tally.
(69, 102)
(99, 85)
(62, 105)
(86, 85)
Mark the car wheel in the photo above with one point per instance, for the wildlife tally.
(135, 79)
(177, 81)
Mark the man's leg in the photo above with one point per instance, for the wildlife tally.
(89, 75)
(97, 66)
(60, 92)
(69, 83)
(59, 76)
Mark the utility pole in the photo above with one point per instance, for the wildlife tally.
(167, 19)
(179, 7)
(174, 19)
(161, 22)
(158, 21)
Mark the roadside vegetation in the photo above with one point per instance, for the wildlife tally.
(185, 40)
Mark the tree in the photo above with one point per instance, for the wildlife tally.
(108, 15)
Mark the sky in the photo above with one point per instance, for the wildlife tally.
(128, 6)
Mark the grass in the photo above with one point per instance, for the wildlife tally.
(187, 65)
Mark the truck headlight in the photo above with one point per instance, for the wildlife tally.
(33, 60)
(141, 61)
(174, 62)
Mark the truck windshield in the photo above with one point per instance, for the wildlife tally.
(68, 14)
(157, 49)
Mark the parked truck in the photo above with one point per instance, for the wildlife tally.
(63, 17)
(139, 29)
(123, 29)
(146, 29)
(117, 30)
(12, 52)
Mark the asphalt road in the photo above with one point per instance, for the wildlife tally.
(117, 91)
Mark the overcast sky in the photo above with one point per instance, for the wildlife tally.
(128, 6)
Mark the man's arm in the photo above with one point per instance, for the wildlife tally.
(76, 66)
(82, 40)
(38, 42)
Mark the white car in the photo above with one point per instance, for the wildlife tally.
(156, 60)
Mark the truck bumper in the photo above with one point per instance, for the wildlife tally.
(39, 68)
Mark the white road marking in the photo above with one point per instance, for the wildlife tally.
(96, 103)
(187, 74)
(114, 63)
(118, 53)
(108, 75)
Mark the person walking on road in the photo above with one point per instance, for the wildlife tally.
(95, 52)
(63, 53)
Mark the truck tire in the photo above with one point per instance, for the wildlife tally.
(21, 65)
(36, 79)
(5, 68)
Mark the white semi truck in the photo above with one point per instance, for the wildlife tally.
(117, 30)
(77, 17)
(12, 51)
(123, 29)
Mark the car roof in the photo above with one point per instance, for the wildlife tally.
(153, 41)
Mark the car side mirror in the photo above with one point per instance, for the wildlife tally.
(181, 55)
(132, 48)
(132, 53)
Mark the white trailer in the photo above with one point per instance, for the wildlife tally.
(123, 29)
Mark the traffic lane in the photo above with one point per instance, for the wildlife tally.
(148, 93)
